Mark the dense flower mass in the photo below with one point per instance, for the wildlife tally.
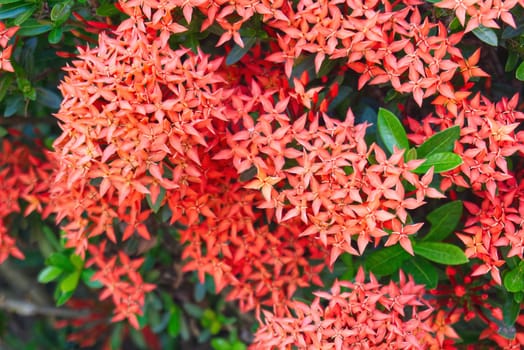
(248, 147)
(24, 185)
(353, 315)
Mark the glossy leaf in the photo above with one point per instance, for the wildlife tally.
(510, 310)
(442, 253)
(61, 11)
(514, 279)
(519, 74)
(423, 271)
(486, 35)
(32, 27)
(443, 141)
(391, 131)
(443, 221)
(49, 274)
(238, 52)
(386, 261)
(441, 162)
(14, 10)
(70, 282)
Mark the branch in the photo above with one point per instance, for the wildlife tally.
(27, 308)
(20, 120)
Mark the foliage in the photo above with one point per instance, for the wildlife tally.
(309, 174)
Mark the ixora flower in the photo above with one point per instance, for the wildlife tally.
(356, 315)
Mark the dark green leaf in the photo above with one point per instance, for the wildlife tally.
(61, 11)
(520, 72)
(510, 310)
(5, 83)
(48, 98)
(249, 174)
(514, 279)
(486, 35)
(518, 297)
(55, 35)
(508, 332)
(443, 221)
(238, 52)
(49, 274)
(193, 310)
(440, 162)
(32, 27)
(14, 10)
(423, 271)
(443, 141)
(391, 131)
(386, 261)
(20, 19)
(13, 105)
(3, 131)
(510, 32)
(107, 10)
(511, 61)
(442, 253)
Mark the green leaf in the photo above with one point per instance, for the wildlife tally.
(3, 132)
(220, 344)
(14, 10)
(55, 35)
(519, 74)
(511, 61)
(5, 83)
(442, 253)
(510, 310)
(48, 98)
(49, 274)
(514, 279)
(107, 10)
(32, 27)
(77, 261)
(5, 2)
(61, 11)
(27, 88)
(70, 282)
(423, 272)
(486, 35)
(87, 278)
(443, 221)
(391, 131)
(441, 162)
(386, 261)
(63, 298)
(411, 154)
(20, 19)
(60, 260)
(193, 310)
(13, 104)
(443, 141)
(238, 52)
(174, 323)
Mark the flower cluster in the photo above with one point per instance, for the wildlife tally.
(24, 185)
(488, 139)
(359, 315)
